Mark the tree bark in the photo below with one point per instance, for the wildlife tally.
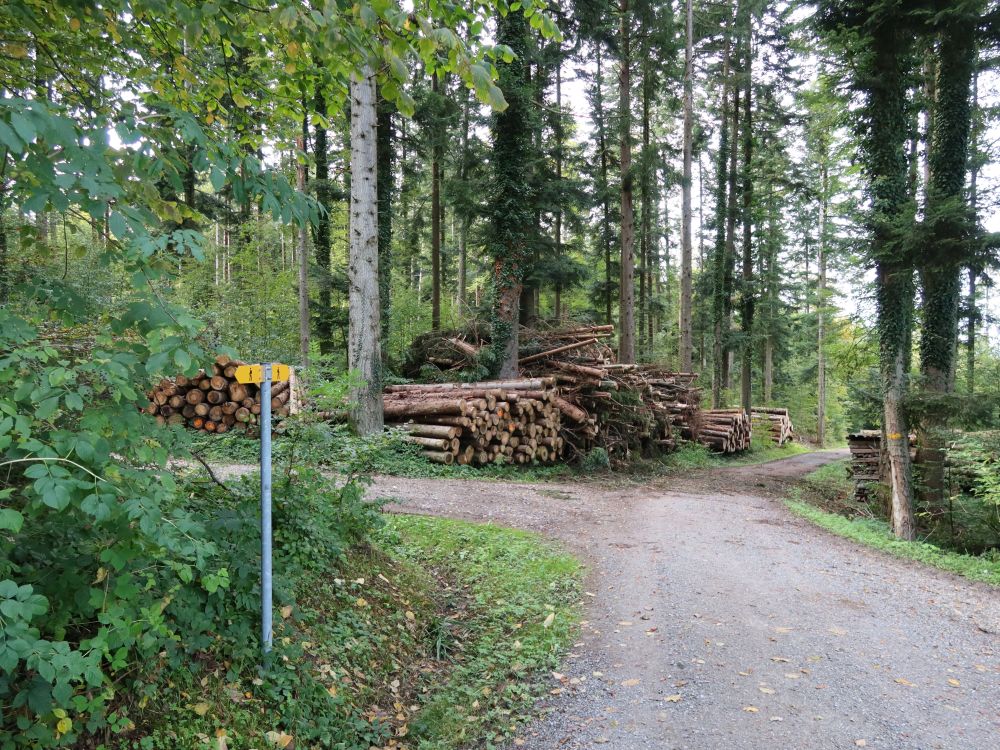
(626, 294)
(303, 254)
(463, 236)
(747, 280)
(605, 198)
(324, 196)
(436, 155)
(719, 261)
(363, 340)
(821, 312)
(384, 190)
(685, 321)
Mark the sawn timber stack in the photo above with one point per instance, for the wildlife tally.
(497, 421)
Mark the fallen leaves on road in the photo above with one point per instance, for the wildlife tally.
(675, 698)
(631, 683)
(904, 681)
(751, 709)
(766, 690)
(953, 682)
(838, 631)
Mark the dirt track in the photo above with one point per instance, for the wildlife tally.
(718, 620)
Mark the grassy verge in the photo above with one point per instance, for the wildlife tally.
(435, 636)
(511, 607)
(822, 500)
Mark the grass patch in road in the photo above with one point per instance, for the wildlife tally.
(825, 488)
(512, 603)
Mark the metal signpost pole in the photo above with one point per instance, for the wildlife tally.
(265, 509)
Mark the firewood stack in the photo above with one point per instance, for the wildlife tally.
(212, 401)
(499, 421)
(774, 422)
(725, 430)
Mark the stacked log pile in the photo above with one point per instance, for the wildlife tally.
(725, 430)
(212, 400)
(499, 421)
(621, 408)
(773, 422)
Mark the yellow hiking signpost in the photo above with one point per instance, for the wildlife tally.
(264, 374)
(255, 373)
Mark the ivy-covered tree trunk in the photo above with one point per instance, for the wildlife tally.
(363, 353)
(512, 199)
(384, 189)
(687, 294)
(324, 196)
(951, 227)
(884, 79)
(626, 293)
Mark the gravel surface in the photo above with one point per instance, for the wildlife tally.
(716, 619)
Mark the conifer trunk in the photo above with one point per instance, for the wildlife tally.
(685, 320)
(384, 187)
(747, 281)
(324, 196)
(364, 331)
(605, 199)
(719, 252)
(626, 293)
(436, 155)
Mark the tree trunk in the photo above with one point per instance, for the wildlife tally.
(559, 177)
(886, 169)
(951, 223)
(303, 255)
(436, 156)
(719, 261)
(463, 236)
(685, 322)
(324, 196)
(384, 190)
(821, 312)
(605, 200)
(513, 199)
(363, 340)
(626, 293)
(646, 210)
(747, 281)
(731, 213)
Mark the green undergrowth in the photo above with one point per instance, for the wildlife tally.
(824, 498)
(508, 611)
(433, 635)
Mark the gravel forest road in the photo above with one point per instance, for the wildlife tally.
(717, 620)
